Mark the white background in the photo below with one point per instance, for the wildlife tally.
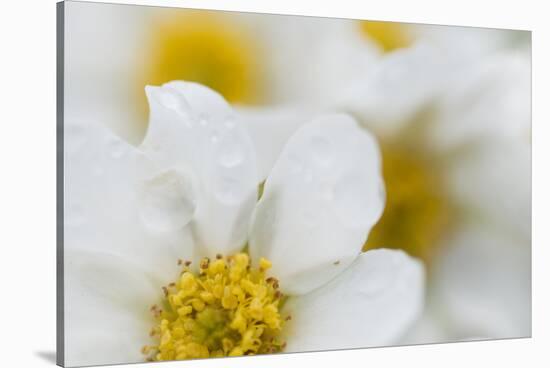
(27, 181)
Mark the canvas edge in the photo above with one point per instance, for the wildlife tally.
(60, 83)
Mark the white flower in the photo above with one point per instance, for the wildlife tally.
(466, 115)
(189, 190)
(487, 115)
(471, 117)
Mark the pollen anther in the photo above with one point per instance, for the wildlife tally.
(228, 309)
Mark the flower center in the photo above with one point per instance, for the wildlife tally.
(418, 210)
(205, 48)
(389, 36)
(227, 309)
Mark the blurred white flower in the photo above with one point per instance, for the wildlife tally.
(468, 111)
(482, 279)
(257, 59)
(189, 190)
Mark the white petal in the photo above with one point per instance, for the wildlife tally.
(319, 78)
(467, 45)
(491, 99)
(108, 201)
(397, 87)
(483, 280)
(192, 127)
(107, 301)
(494, 182)
(372, 303)
(428, 329)
(319, 203)
(270, 129)
(105, 91)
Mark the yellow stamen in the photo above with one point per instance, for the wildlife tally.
(389, 36)
(227, 309)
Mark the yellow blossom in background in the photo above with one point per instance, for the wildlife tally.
(418, 210)
(212, 49)
(389, 36)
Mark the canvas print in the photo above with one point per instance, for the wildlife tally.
(235, 184)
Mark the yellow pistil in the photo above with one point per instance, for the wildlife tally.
(227, 309)
(389, 36)
(418, 211)
(207, 48)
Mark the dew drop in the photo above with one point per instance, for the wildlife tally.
(231, 153)
(214, 138)
(203, 121)
(167, 201)
(351, 200)
(321, 149)
(229, 190)
(169, 100)
(229, 123)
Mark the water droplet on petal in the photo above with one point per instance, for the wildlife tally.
(167, 201)
(168, 100)
(229, 190)
(203, 120)
(231, 153)
(229, 123)
(214, 138)
(351, 200)
(171, 100)
(321, 149)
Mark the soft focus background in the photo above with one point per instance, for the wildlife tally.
(449, 105)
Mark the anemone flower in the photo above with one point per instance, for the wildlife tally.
(169, 254)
